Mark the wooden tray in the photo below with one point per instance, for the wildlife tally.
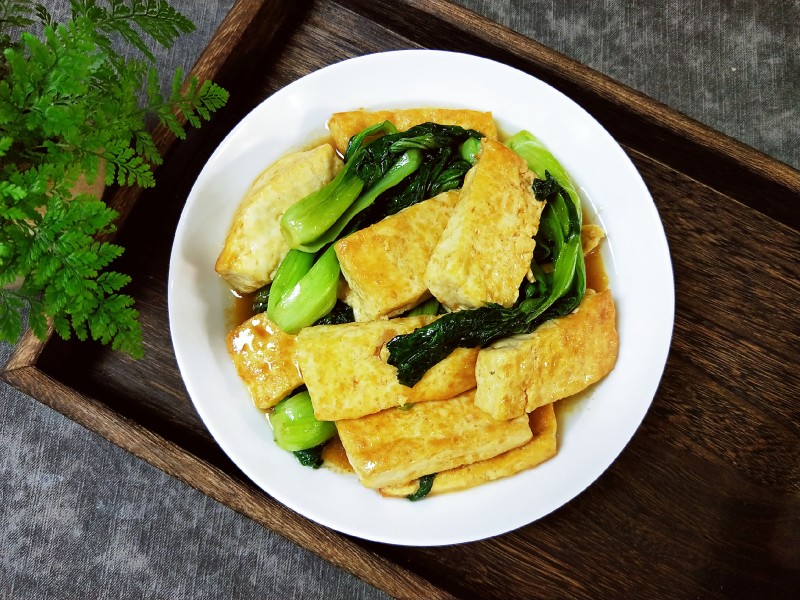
(704, 500)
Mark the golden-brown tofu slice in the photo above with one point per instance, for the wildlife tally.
(264, 357)
(255, 246)
(344, 125)
(542, 447)
(591, 236)
(334, 456)
(345, 369)
(396, 446)
(487, 246)
(384, 264)
(559, 359)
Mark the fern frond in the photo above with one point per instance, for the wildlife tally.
(44, 16)
(146, 147)
(125, 167)
(155, 19)
(15, 14)
(14, 192)
(11, 307)
(69, 98)
(195, 104)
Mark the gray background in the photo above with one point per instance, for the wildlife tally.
(84, 519)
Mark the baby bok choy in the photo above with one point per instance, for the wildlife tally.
(559, 286)
(294, 426)
(304, 289)
(558, 241)
(431, 306)
(540, 160)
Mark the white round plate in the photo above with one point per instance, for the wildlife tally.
(592, 432)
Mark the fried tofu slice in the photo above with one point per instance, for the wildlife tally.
(345, 370)
(265, 359)
(396, 446)
(384, 264)
(559, 359)
(255, 246)
(591, 236)
(334, 457)
(542, 447)
(487, 246)
(344, 125)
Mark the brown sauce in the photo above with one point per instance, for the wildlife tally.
(596, 277)
(239, 310)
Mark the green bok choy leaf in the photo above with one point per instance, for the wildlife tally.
(294, 425)
(304, 289)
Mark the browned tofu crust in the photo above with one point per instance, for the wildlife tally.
(334, 456)
(486, 249)
(591, 236)
(345, 370)
(264, 357)
(396, 446)
(254, 246)
(559, 359)
(344, 125)
(542, 447)
(384, 264)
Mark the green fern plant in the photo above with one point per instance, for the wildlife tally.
(69, 103)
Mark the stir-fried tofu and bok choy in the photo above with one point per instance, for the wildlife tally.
(419, 300)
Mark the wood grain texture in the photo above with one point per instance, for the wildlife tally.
(704, 501)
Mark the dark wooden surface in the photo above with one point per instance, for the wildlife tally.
(705, 500)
